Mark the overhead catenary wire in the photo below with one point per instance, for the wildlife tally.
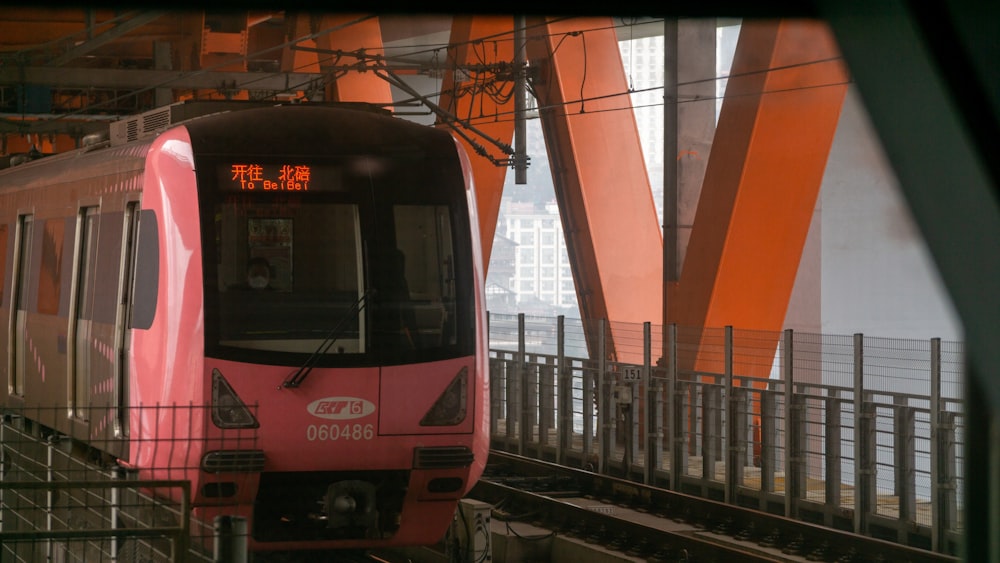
(242, 58)
(488, 81)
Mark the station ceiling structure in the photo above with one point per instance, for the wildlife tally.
(926, 71)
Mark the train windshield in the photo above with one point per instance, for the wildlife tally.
(355, 275)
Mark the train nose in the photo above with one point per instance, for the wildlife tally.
(351, 504)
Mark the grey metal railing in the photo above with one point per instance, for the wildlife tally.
(852, 432)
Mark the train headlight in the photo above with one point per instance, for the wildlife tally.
(228, 410)
(450, 408)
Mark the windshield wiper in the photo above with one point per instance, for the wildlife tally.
(296, 379)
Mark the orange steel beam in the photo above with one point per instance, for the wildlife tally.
(298, 60)
(482, 40)
(46, 144)
(365, 35)
(608, 214)
(776, 126)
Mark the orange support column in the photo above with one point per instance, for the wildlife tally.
(483, 42)
(609, 217)
(777, 123)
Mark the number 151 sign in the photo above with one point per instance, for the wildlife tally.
(631, 373)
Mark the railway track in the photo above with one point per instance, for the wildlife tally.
(337, 556)
(659, 526)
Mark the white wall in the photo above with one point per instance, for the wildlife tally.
(877, 276)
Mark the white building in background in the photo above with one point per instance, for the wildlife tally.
(541, 277)
(642, 60)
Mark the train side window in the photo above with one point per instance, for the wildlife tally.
(82, 312)
(146, 273)
(50, 268)
(19, 312)
(123, 335)
(3, 261)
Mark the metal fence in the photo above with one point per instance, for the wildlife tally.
(63, 500)
(852, 432)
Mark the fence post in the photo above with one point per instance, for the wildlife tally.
(546, 401)
(588, 418)
(522, 385)
(635, 410)
(944, 494)
(734, 430)
(864, 446)
(510, 400)
(768, 443)
(564, 437)
(604, 415)
(711, 430)
(832, 448)
(948, 481)
(787, 375)
(937, 531)
(654, 411)
(678, 451)
(587, 405)
(904, 441)
(230, 540)
(796, 482)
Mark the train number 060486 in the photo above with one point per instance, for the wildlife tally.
(324, 432)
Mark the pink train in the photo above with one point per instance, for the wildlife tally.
(282, 305)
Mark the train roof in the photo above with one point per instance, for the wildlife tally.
(147, 125)
(151, 123)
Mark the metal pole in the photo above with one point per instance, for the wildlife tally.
(564, 438)
(678, 452)
(832, 450)
(671, 271)
(653, 419)
(520, 90)
(522, 382)
(904, 450)
(605, 420)
(786, 369)
(230, 540)
(768, 442)
(937, 531)
(860, 471)
(731, 439)
(49, 495)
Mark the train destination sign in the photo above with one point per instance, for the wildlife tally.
(270, 177)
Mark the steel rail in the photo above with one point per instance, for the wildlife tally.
(767, 530)
(615, 529)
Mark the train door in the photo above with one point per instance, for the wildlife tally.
(19, 306)
(82, 313)
(123, 321)
(4, 295)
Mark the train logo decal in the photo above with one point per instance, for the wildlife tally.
(341, 408)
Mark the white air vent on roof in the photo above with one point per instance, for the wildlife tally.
(153, 122)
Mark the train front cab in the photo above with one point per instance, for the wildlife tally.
(343, 330)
